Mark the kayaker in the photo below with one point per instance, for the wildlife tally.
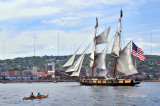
(39, 94)
(31, 95)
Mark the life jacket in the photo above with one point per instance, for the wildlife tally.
(39, 95)
(31, 95)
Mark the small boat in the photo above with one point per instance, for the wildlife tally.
(37, 97)
(42, 96)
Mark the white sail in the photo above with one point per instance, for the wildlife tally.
(92, 55)
(70, 61)
(116, 44)
(103, 73)
(119, 23)
(88, 73)
(103, 37)
(76, 64)
(76, 73)
(95, 72)
(124, 61)
(100, 60)
(118, 27)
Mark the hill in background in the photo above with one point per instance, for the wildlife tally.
(151, 64)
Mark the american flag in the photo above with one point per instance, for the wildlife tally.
(137, 52)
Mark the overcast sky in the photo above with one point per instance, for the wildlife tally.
(74, 21)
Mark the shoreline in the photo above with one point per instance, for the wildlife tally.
(30, 81)
(54, 81)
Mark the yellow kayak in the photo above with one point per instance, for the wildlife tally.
(37, 97)
(42, 96)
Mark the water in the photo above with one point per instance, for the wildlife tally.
(74, 94)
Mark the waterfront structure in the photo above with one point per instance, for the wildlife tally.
(35, 69)
(11, 72)
(40, 73)
(3, 75)
(15, 72)
(27, 72)
(51, 69)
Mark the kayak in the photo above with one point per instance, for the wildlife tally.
(37, 97)
(27, 98)
(42, 96)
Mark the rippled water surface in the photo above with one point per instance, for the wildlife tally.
(74, 94)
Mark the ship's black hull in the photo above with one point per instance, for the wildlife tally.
(109, 83)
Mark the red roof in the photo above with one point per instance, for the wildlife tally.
(47, 75)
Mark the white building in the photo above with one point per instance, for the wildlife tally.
(34, 70)
(51, 69)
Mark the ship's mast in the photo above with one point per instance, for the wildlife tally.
(135, 65)
(92, 73)
(120, 41)
(114, 71)
(119, 33)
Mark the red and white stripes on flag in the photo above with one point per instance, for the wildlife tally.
(137, 52)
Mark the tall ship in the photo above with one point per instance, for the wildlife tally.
(122, 61)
